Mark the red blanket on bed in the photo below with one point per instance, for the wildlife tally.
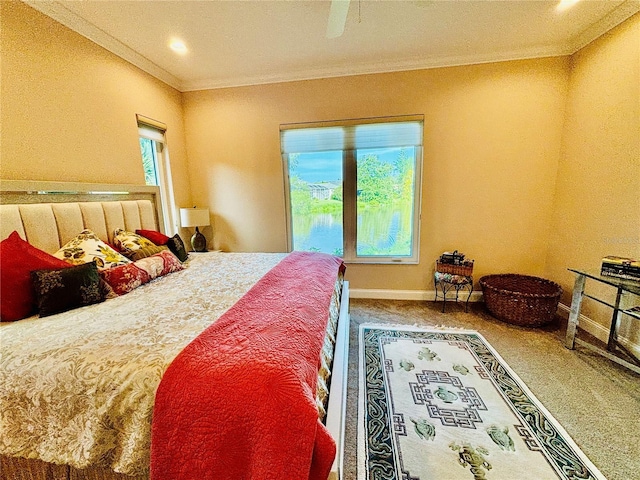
(239, 401)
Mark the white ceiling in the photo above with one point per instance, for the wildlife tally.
(237, 42)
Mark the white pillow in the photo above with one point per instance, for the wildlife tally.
(87, 247)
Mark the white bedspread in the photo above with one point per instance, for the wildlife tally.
(78, 387)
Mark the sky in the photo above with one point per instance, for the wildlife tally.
(327, 166)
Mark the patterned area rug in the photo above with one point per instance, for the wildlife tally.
(442, 404)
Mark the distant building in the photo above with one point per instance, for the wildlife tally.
(322, 191)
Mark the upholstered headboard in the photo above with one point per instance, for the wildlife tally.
(48, 214)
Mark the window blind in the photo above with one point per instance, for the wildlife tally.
(150, 128)
(297, 138)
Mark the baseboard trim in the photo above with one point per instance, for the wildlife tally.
(426, 295)
(597, 330)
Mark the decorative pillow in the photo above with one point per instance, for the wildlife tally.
(125, 278)
(113, 245)
(67, 288)
(160, 264)
(106, 288)
(87, 247)
(147, 252)
(177, 247)
(157, 238)
(128, 243)
(128, 277)
(18, 258)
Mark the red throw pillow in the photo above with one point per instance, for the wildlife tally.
(18, 259)
(156, 237)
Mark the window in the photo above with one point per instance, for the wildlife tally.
(157, 170)
(353, 188)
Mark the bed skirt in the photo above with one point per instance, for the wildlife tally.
(13, 468)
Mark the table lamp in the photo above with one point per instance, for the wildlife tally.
(196, 217)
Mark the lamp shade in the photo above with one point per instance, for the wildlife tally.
(194, 217)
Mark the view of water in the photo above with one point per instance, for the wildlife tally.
(320, 232)
(384, 201)
(383, 231)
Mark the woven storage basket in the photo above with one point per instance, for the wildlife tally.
(466, 270)
(521, 299)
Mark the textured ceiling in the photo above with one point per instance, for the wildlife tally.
(250, 42)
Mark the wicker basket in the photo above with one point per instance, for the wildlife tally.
(466, 270)
(521, 299)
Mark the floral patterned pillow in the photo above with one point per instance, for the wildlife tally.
(61, 290)
(176, 246)
(129, 242)
(125, 278)
(160, 264)
(87, 247)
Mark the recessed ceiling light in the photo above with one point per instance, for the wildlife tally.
(565, 4)
(178, 46)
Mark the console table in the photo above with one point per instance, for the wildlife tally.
(623, 287)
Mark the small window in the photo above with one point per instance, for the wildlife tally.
(353, 188)
(148, 148)
(157, 169)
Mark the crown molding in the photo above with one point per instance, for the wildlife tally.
(614, 18)
(69, 19)
(61, 14)
(378, 67)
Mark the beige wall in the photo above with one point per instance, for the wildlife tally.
(69, 107)
(492, 156)
(491, 152)
(597, 205)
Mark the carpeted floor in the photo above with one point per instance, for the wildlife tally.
(595, 400)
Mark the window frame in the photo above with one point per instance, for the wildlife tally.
(349, 188)
(156, 132)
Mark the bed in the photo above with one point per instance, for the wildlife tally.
(138, 386)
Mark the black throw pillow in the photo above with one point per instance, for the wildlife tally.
(177, 247)
(68, 288)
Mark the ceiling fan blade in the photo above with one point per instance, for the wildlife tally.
(337, 18)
